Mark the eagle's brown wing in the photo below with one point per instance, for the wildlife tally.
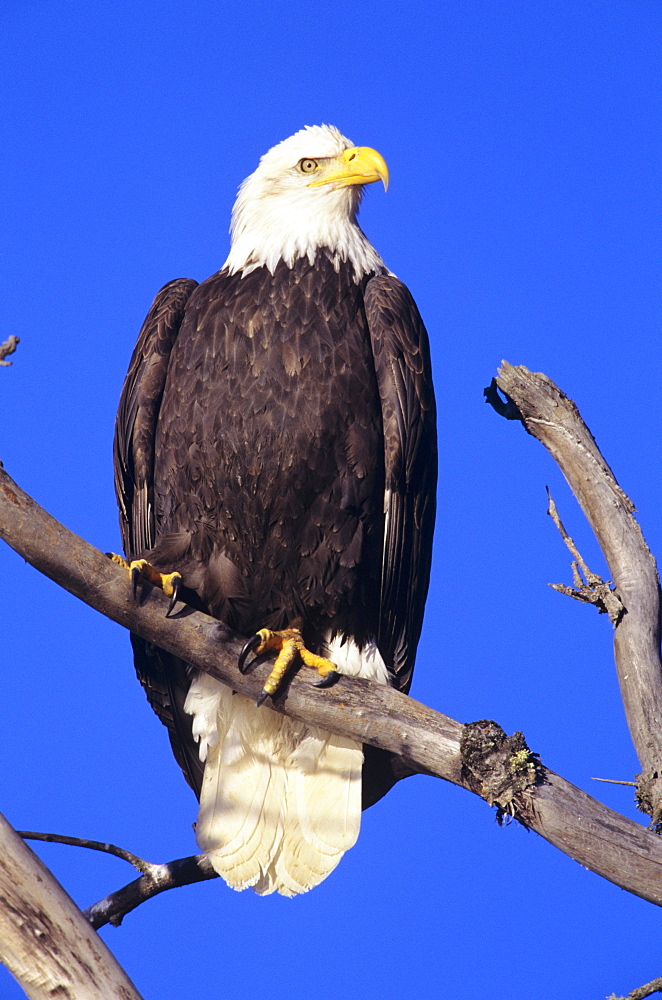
(404, 377)
(163, 676)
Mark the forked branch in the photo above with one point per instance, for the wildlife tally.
(154, 878)
(555, 421)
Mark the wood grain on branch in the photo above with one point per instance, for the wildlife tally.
(595, 836)
(555, 421)
(44, 941)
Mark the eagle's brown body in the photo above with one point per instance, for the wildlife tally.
(275, 444)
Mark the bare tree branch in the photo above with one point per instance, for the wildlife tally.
(555, 421)
(45, 942)
(598, 838)
(173, 875)
(8, 347)
(647, 990)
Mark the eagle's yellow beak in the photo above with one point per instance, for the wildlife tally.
(358, 165)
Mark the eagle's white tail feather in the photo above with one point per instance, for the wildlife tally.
(240, 816)
(326, 785)
(325, 802)
(280, 800)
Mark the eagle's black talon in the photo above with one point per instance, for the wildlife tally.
(173, 600)
(262, 697)
(252, 644)
(135, 577)
(327, 680)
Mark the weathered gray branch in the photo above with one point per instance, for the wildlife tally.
(45, 942)
(595, 836)
(554, 420)
(8, 347)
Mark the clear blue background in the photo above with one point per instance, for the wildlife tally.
(524, 144)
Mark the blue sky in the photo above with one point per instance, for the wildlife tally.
(524, 146)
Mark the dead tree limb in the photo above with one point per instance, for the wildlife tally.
(8, 347)
(173, 875)
(555, 421)
(45, 942)
(595, 836)
(647, 990)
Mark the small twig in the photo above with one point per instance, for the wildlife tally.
(9, 346)
(552, 510)
(616, 781)
(647, 990)
(93, 845)
(592, 589)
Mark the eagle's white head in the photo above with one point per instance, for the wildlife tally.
(305, 194)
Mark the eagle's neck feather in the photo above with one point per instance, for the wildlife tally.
(290, 227)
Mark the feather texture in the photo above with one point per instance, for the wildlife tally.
(275, 444)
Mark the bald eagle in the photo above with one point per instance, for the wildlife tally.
(275, 448)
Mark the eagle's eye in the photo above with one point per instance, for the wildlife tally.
(308, 166)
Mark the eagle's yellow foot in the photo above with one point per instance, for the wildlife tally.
(289, 644)
(141, 569)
